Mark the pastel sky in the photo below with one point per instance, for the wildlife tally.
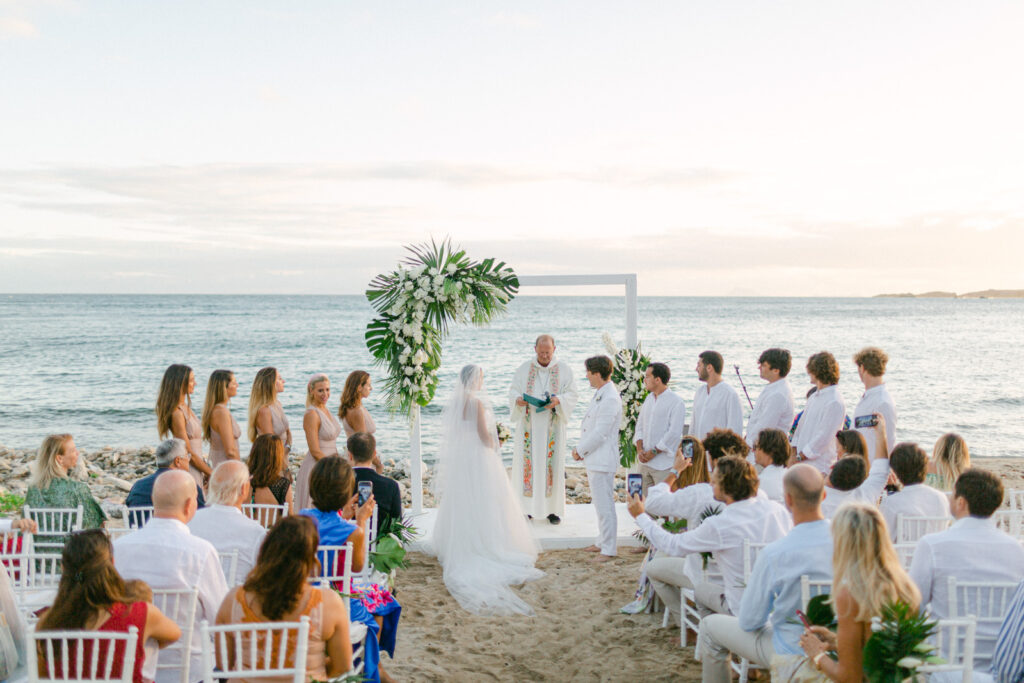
(827, 148)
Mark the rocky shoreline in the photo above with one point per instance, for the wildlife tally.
(110, 473)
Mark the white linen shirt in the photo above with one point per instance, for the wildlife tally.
(877, 400)
(599, 433)
(716, 408)
(755, 519)
(165, 554)
(228, 529)
(687, 503)
(869, 491)
(774, 409)
(816, 434)
(916, 500)
(771, 483)
(973, 549)
(660, 425)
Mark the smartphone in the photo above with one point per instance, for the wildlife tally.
(634, 484)
(688, 450)
(863, 421)
(365, 489)
(803, 618)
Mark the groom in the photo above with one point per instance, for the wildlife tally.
(538, 459)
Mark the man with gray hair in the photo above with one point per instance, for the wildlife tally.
(223, 524)
(170, 455)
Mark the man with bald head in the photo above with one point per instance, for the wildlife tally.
(165, 554)
(538, 456)
(766, 623)
(223, 524)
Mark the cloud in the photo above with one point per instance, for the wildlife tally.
(11, 27)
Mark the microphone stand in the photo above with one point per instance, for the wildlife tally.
(737, 368)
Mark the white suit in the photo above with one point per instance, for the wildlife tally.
(599, 448)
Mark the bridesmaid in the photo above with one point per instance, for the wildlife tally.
(174, 416)
(266, 414)
(322, 431)
(219, 426)
(354, 416)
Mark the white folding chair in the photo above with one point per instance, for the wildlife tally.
(1015, 499)
(909, 528)
(690, 613)
(987, 602)
(36, 585)
(116, 532)
(371, 539)
(1010, 521)
(336, 569)
(55, 524)
(953, 641)
(810, 588)
(255, 650)
(178, 604)
(750, 551)
(905, 551)
(229, 563)
(82, 656)
(14, 546)
(266, 515)
(135, 517)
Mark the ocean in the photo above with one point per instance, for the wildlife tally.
(91, 364)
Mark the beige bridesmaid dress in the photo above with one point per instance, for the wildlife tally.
(327, 436)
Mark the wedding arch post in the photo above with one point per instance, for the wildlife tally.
(628, 280)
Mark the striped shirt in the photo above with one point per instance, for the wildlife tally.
(1008, 657)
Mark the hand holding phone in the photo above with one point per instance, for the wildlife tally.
(865, 421)
(803, 617)
(634, 485)
(688, 450)
(365, 490)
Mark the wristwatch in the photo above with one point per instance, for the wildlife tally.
(817, 658)
(674, 471)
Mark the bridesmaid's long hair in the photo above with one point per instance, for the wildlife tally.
(172, 387)
(350, 395)
(216, 393)
(264, 393)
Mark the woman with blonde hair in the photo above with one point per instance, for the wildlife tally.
(866, 576)
(174, 416)
(49, 485)
(322, 431)
(354, 415)
(950, 457)
(266, 414)
(220, 427)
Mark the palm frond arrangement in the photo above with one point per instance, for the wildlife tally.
(898, 645)
(628, 376)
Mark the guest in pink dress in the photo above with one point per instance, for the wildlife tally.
(219, 426)
(174, 416)
(354, 415)
(322, 431)
(266, 414)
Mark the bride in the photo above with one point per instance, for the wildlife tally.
(481, 537)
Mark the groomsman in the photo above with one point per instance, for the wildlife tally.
(774, 408)
(871, 362)
(716, 404)
(659, 427)
(598, 448)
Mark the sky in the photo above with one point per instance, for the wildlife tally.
(813, 148)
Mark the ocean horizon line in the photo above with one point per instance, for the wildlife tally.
(518, 296)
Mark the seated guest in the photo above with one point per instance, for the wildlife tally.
(852, 442)
(1008, 656)
(49, 486)
(866, 576)
(950, 457)
(910, 464)
(771, 452)
(92, 596)
(268, 472)
(278, 589)
(973, 549)
(362, 448)
(22, 524)
(746, 516)
(223, 524)
(851, 480)
(332, 488)
(765, 624)
(165, 554)
(170, 455)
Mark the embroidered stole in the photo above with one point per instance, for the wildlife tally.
(549, 459)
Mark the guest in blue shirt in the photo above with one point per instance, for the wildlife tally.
(170, 455)
(767, 622)
(1008, 657)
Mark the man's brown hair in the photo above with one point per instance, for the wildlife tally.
(872, 359)
(736, 477)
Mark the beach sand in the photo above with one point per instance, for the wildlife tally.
(578, 633)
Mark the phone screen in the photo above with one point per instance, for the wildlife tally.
(365, 489)
(634, 485)
(688, 450)
(865, 421)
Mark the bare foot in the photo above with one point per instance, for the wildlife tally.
(602, 558)
(639, 550)
(592, 549)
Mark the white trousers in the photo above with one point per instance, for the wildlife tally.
(720, 635)
(668, 575)
(602, 494)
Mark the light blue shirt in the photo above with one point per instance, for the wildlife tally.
(1008, 658)
(773, 589)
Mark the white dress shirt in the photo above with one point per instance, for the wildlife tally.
(771, 483)
(973, 549)
(774, 584)
(916, 500)
(165, 555)
(877, 400)
(716, 408)
(687, 503)
(599, 433)
(755, 519)
(660, 425)
(228, 529)
(869, 491)
(774, 409)
(816, 434)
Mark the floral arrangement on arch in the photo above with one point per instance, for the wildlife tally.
(415, 303)
(628, 376)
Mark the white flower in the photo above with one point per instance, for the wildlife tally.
(470, 298)
(406, 382)
(438, 281)
(419, 270)
(423, 282)
(408, 330)
(420, 293)
(609, 345)
(451, 268)
(408, 286)
(909, 662)
(876, 624)
(409, 371)
(417, 336)
(418, 315)
(420, 358)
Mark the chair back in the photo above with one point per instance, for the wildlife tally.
(116, 532)
(55, 524)
(266, 650)
(40, 575)
(178, 604)
(135, 517)
(266, 515)
(1015, 499)
(750, 551)
(910, 528)
(985, 601)
(953, 641)
(335, 567)
(810, 588)
(81, 656)
(229, 563)
(1010, 521)
(905, 551)
(14, 545)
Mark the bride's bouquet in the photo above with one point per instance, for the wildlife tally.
(504, 434)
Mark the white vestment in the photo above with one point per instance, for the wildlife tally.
(541, 490)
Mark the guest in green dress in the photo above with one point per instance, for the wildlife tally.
(949, 458)
(51, 487)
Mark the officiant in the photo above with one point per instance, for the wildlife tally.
(541, 400)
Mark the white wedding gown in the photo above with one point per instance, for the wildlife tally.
(481, 537)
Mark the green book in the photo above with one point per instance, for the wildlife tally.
(539, 403)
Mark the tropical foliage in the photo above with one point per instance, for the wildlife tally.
(628, 376)
(898, 644)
